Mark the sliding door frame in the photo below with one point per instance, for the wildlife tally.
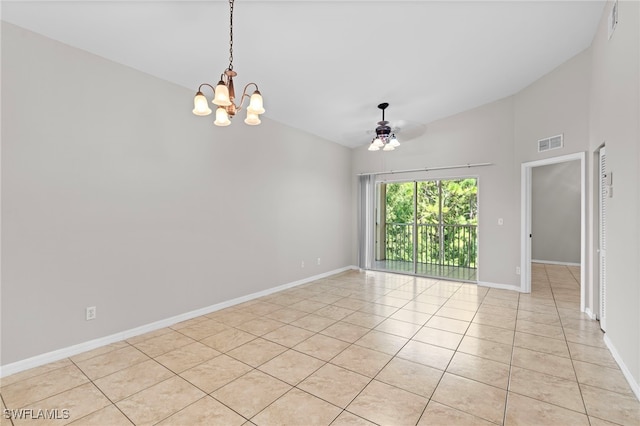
(415, 182)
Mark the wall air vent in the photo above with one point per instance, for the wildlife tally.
(547, 144)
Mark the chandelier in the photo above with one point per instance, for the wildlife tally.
(224, 93)
(384, 139)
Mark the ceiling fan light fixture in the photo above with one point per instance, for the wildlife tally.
(394, 141)
(388, 147)
(373, 147)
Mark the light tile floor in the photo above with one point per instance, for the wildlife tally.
(356, 348)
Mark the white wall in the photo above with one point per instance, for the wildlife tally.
(555, 212)
(615, 121)
(114, 195)
(557, 103)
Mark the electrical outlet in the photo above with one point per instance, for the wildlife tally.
(91, 313)
(517, 270)
(318, 261)
(302, 264)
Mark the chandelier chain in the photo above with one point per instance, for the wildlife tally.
(231, 35)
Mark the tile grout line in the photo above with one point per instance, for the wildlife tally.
(455, 351)
(387, 363)
(325, 363)
(557, 377)
(100, 390)
(292, 386)
(568, 349)
(5, 405)
(513, 345)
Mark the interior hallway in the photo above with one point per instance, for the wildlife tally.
(356, 348)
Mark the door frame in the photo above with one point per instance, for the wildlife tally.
(525, 219)
(599, 280)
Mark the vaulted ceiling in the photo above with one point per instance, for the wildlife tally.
(324, 66)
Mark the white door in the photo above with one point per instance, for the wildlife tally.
(603, 194)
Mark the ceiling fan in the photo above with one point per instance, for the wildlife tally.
(385, 134)
(385, 137)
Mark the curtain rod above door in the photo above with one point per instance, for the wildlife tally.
(427, 169)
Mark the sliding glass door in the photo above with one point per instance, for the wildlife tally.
(395, 227)
(427, 228)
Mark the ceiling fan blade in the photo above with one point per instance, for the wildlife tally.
(408, 130)
(411, 132)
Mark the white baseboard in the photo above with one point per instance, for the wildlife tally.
(590, 313)
(46, 358)
(625, 371)
(552, 262)
(500, 286)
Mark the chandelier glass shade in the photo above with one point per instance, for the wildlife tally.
(385, 139)
(224, 96)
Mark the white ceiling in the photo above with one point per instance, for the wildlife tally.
(324, 66)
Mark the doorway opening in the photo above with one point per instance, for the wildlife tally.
(527, 219)
(428, 228)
